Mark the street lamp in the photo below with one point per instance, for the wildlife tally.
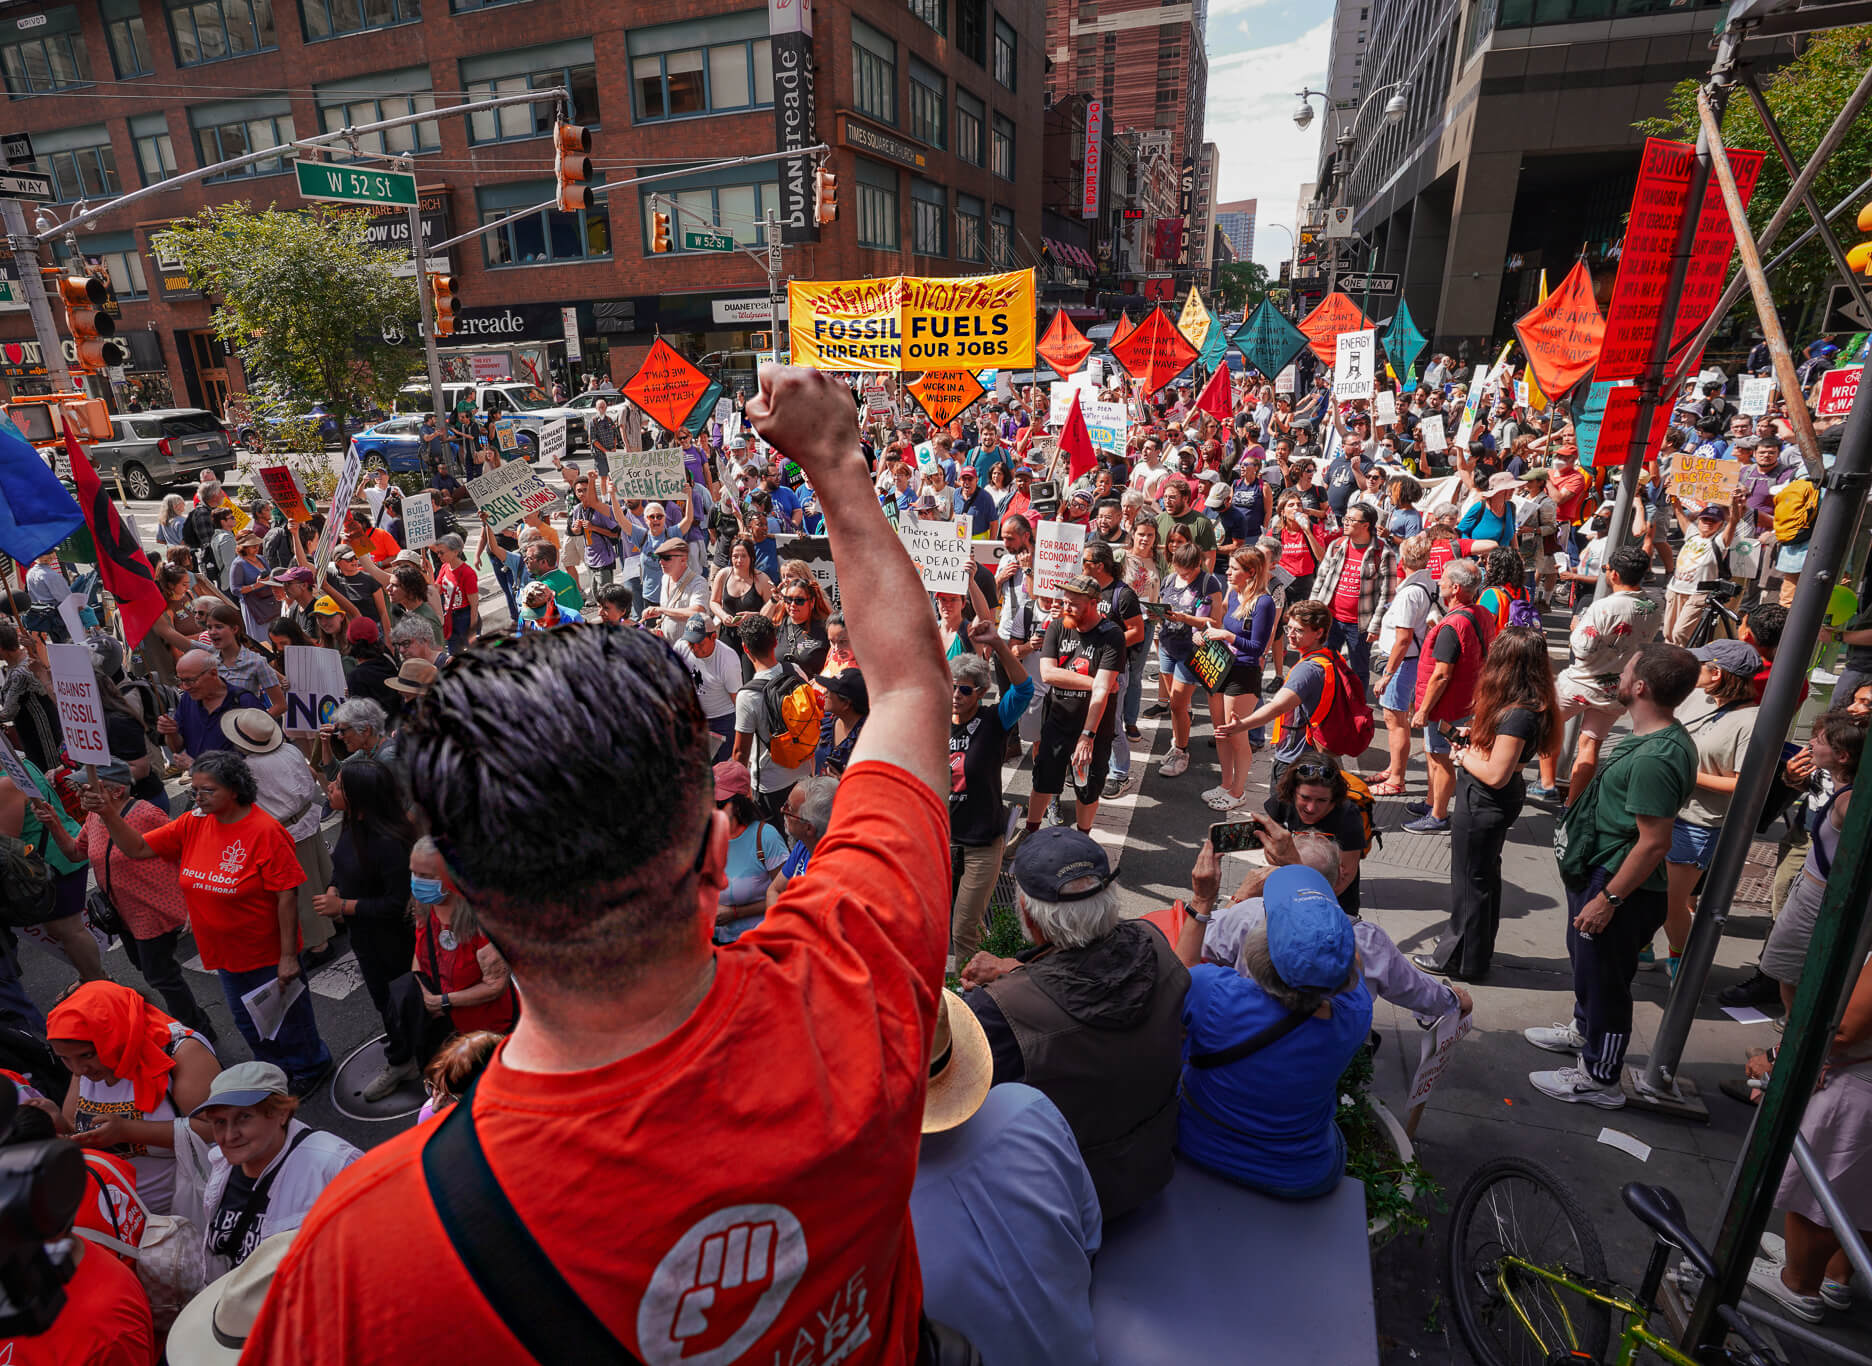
(1303, 112)
(1395, 109)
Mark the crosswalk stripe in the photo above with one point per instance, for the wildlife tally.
(335, 981)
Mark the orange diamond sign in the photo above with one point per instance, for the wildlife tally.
(1153, 353)
(666, 386)
(1064, 347)
(944, 393)
(1335, 314)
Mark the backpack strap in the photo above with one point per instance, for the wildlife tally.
(514, 1274)
(1254, 1043)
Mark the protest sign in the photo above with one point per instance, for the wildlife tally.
(315, 685)
(1284, 382)
(877, 402)
(509, 493)
(1756, 391)
(724, 409)
(552, 441)
(1354, 357)
(341, 500)
(1334, 314)
(1064, 347)
(1561, 334)
(1057, 547)
(1438, 1043)
(913, 322)
(419, 528)
(988, 553)
(1521, 398)
(1154, 352)
(506, 435)
(666, 386)
(815, 552)
(1837, 390)
(1697, 480)
(1621, 421)
(80, 709)
(940, 551)
(1193, 321)
(15, 767)
(1430, 432)
(944, 394)
(1384, 408)
(655, 473)
(286, 491)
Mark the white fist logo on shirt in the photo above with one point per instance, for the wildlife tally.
(721, 1286)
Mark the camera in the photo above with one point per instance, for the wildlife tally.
(1720, 589)
(40, 1187)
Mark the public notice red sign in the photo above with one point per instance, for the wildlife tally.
(1838, 388)
(1335, 314)
(1562, 334)
(1621, 420)
(1064, 347)
(1645, 256)
(1154, 352)
(666, 386)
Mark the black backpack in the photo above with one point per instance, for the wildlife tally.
(26, 888)
(198, 527)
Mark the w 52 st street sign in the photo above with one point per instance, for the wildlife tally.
(355, 184)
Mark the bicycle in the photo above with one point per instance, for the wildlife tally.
(1528, 1282)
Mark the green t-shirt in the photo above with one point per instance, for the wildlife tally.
(1645, 775)
(565, 588)
(1201, 529)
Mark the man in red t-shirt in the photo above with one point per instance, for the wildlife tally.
(713, 1146)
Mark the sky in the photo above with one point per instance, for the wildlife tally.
(1260, 53)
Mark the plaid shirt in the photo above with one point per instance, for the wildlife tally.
(1377, 578)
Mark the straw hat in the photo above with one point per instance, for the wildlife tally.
(253, 730)
(961, 1067)
(215, 1325)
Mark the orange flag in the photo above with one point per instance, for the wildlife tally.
(1124, 329)
(1064, 347)
(1218, 396)
(1076, 441)
(1335, 314)
(1154, 352)
(1562, 334)
(666, 386)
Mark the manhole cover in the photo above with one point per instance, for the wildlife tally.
(358, 1071)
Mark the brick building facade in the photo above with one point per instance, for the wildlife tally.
(933, 109)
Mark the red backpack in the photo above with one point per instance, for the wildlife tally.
(1342, 722)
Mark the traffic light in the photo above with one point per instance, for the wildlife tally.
(825, 197)
(659, 231)
(571, 166)
(447, 305)
(91, 327)
(1860, 257)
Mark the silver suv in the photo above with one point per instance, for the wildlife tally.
(151, 450)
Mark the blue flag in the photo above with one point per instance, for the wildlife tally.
(36, 511)
(1268, 340)
(1402, 341)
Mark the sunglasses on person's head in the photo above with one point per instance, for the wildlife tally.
(1310, 772)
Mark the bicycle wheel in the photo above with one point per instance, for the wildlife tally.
(1512, 1207)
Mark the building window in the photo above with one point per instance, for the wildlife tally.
(544, 237)
(971, 114)
(122, 263)
(1001, 237)
(220, 140)
(513, 73)
(358, 107)
(129, 45)
(877, 205)
(970, 240)
(972, 30)
(81, 172)
(1002, 153)
(874, 73)
(703, 80)
(739, 210)
(929, 217)
(926, 103)
(468, 6)
(1004, 59)
(215, 30)
(50, 61)
(337, 18)
(931, 12)
(155, 157)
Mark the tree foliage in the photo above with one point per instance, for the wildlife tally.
(1804, 96)
(1241, 285)
(305, 300)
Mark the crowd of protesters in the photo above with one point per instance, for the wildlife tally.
(1295, 561)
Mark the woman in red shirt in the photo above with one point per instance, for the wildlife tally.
(239, 874)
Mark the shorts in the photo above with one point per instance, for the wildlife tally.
(1594, 721)
(1052, 769)
(1691, 844)
(1785, 953)
(1244, 680)
(1177, 670)
(1400, 693)
(1433, 740)
(1791, 559)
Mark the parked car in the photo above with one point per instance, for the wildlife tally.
(329, 434)
(165, 446)
(397, 441)
(578, 412)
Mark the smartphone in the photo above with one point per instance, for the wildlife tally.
(1157, 611)
(1451, 734)
(1232, 837)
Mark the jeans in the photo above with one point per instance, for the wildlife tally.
(1121, 743)
(156, 960)
(1134, 685)
(1349, 638)
(297, 1049)
(602, 575)
(1480, 818)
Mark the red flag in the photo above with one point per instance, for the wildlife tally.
(1064, 347)
(1154, 352)
(122, 565)
(1076, 441)
(1218, 397)
(1120, 331)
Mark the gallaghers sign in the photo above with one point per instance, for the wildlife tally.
(913, 322)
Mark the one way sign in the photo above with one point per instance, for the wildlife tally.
(1368, 284)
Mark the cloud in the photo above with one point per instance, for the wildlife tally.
(1263, 156)
(1235, 6)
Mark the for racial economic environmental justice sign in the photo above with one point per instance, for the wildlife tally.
(913, 322)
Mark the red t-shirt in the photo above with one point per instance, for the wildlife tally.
(105, 1321)
(1568, 490)
(459, 969)
(230, 872)
(1442, 555)
(459, 586)
(106, 1206)
(1345, 597)
(1296, 555)
(778, 1125)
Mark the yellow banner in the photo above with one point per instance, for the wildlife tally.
(1193, 322)
(913, 322)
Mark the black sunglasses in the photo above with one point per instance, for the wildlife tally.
(966, 689)
(1310, 772)
(795, 599)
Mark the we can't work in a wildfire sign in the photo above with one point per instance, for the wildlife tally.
(913, 322)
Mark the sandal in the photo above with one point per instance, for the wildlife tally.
(1388, 790)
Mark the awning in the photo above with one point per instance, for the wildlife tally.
(1071, 254)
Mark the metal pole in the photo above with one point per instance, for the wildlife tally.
(32, 285)
(1341, 174)
(419, 252)
(1826, 552)
(776, 289)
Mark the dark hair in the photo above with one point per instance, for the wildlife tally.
(288, 630)
(1503, 567)
(1186, 556)
(1766, 623)
(1104, 503)
(1845, 733)
(758, 633)
(574, 737)
(1290, 780)
(410, 580)
(1669, 672)
(1517, 672)
(1630, 563)
(1732, 690)
(547, 551)
(1100, 553)
(742, 809)
(29, 1124)
(1312, 614)
(618, 596)
(230, 770)
(744, 543)
(374, 803)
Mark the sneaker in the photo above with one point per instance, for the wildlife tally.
(1559, 1037)
(1765, 1276)
(1836, 1294)
(1670, 965)
(1054, 816)
(1647, 960)
(1417, 808)
(1133, 733)
(1543, 794)
(1115, 784)
(1157, 709)
(390, 1079)
(1572, 1085)
(1824, 677)
(1758, 989)
(1175, 764)
(1427, 824)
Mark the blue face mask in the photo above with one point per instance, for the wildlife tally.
(428, 890)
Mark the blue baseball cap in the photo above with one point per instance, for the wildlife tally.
(1060, 863)
(1309, 934)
